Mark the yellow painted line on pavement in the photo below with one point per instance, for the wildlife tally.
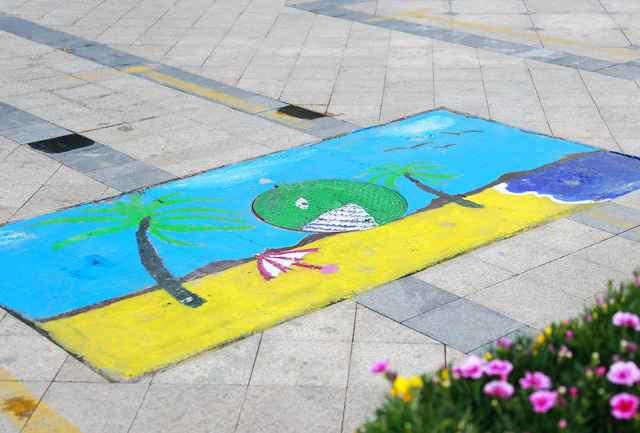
(422, 14)
(19, 405)
(195, 89)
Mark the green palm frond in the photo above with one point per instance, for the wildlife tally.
(172, 241)
(195, 217)
(90, 234)
(80, 219)
(196, 209)
(182, 228)
(432, 176)
(156, 204)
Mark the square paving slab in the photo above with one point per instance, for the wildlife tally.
(137, 282)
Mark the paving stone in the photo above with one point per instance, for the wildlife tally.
(36, 389)
(525, 331)
(463, 275)
(305, 363)
(230, 365)
(407, 358)
(609, 217)
(30, 357)
(576, 276)
(131, 176)
(279, 409)
(463, 324)
(361, 404)
(333, 323)
(565, 235)
(616, 253)
(92, 407)
(517, 254)
(189, 408)
(92, 158)
(373, 327)
(73, 370)
(404, 298)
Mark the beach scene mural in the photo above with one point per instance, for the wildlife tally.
(138, 282)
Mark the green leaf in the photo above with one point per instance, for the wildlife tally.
(196, 209)
(390, 181)
(181, 228)
(195, 217)
(81, 219)
(423, 175)
(90, 234)
(171, 240)
(186, 200)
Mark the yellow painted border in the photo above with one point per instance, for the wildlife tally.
(140, 334)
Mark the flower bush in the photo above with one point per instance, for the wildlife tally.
(579, 376)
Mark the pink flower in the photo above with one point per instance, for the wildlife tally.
(498, 388)
(535, 380)
(498, 367)
(601, 370)
(626, 320)
(564, 352)
(573, 392)
(628, 346)
(624, 405)
(637, 280)
(504, 343)
(569, 335)
(562, 424)
(380, 367)
(470, 367)
(543, 401)
(624, 373)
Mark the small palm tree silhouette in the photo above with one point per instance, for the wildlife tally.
(156, 217)
(419, 173)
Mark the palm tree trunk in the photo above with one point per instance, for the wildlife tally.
(443, 195)
(154, 265)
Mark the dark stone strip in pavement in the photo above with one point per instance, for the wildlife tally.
(439, 314)
(98, 161)
(332, 8)
(211, 90)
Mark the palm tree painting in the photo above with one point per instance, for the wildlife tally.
(157, 218)
(418, 173)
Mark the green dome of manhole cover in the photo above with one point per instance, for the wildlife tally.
(329, 206)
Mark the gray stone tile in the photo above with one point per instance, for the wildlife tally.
(463, 275)
(333, 323)
(517, 254)
(131, 176)
(92, 407)
(362, 402)
(189, 408)
(73, 370)
(575, 276)
(404, 298)
(529, 301)
(629, 71)
(35, 132)
(92, 158)
(616, 253)
(230, 365)
(280, 409)
(609, 217)
(565, 235)
(375, 328)
(30, 357)
(463, 324)
(405, 358)
(36, 389)
(301, 363)
(525, 331)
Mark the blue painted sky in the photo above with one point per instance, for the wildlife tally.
(40, 282)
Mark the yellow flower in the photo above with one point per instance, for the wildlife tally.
(540, 339)
(402, 386)
(444, 374)
(547, 331)
(487, 356)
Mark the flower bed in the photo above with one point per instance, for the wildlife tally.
(577, 376)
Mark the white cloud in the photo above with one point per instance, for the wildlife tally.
(10, 237)
(417, 127)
